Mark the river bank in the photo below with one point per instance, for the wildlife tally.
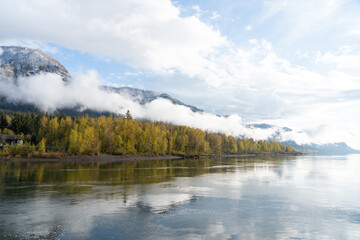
(122, 158)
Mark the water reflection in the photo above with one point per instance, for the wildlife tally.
(233, 198)
(19, 179)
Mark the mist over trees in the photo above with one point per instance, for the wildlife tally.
(125, 136)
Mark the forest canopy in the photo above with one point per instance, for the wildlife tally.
(124, 136)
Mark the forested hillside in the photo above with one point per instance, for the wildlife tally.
(126, 136)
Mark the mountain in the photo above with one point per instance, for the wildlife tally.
(268, 126)
(18, 62)
(339, 148)
(144, 96)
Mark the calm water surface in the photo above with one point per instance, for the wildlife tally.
(234, 198)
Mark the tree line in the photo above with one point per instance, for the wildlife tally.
(125, 136)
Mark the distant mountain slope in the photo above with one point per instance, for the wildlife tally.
(18, 62)
(267, 126)
(144, 96)
(340, 148)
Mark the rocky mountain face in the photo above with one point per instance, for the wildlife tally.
(18, 62)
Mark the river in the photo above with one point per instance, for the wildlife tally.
(303, 197)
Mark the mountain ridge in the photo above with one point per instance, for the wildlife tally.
(146, 96)
(338, 148)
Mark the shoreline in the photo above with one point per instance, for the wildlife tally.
(107, 158)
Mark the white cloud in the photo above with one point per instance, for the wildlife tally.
(347, 57)
(248, 28)
(215, 16)
(196, 8)
(320, 21)
(132, 73)
(354, 32)
(144, 34)
(261, 68)
(48, 92)
(303, 55)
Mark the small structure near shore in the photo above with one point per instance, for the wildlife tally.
(6, 139)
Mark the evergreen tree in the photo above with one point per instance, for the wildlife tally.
(3, 121)
(128, 115)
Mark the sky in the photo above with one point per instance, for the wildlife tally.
(293, 63)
